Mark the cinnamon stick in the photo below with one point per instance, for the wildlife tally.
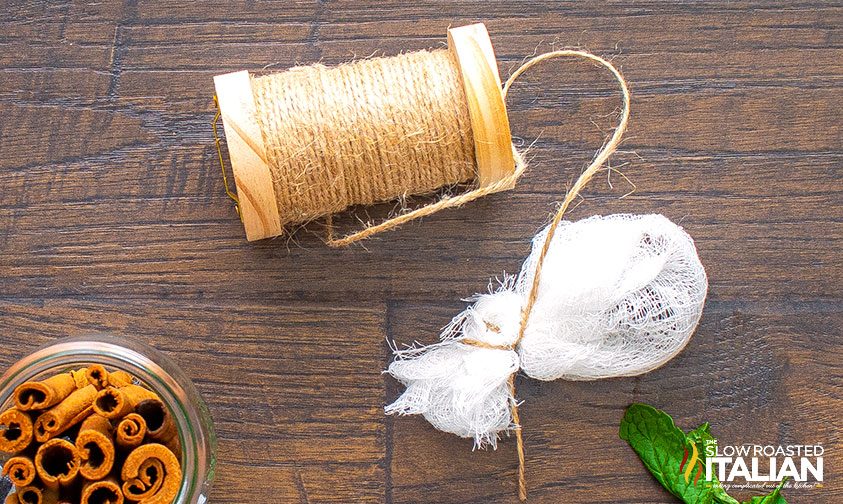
(85, 467)
(37, 495)
(72, 410)
(119, 378)
(15, 430)
(20, 470)
(130, 431)
(114, 402)
(101, 378)
(80, 377)
(97, 376)
(105, 491)
(37, 395)
(95, 447)
(151, 474)
(57, 463)
(160, 426)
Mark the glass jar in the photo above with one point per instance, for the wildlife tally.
(155, 371)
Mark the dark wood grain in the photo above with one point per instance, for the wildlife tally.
(113, 218)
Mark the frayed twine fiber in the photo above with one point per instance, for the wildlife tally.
(520, 164)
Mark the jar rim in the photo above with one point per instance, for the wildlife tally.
(153, 368)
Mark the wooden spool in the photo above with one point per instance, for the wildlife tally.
(475, 57)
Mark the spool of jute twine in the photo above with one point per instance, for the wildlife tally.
(312, 141)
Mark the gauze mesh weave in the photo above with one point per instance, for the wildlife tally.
(619, 296)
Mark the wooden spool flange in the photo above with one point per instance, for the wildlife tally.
(489, 123)
(475, 57)
(255, 190)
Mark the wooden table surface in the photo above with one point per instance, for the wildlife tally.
(113, 218)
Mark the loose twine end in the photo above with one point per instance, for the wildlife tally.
(519, 438)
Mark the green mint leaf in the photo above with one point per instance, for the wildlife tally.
(701, 434)
(664, 448)
(669, 454)
(773, 497)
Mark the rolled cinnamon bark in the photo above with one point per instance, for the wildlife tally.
(130, 431)
(101, 378)
(119, 379)
(37, 495)
(12, 498)
(20, 470)
(151, 475)
(57, 463)
(16, 430)
(38, 395)
(160, 426)
(95, 447)
(97, 376)
(105, 491)
(75, 408)
(80, 377)
(113, 402)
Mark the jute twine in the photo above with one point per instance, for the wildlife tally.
(601, 157)
(377, 129)
(364, 132)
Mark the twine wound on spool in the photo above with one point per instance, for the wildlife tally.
(313, 141)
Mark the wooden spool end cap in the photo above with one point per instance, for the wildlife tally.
(475, 57)
(246, 149)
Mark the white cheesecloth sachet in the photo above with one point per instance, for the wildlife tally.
(619, 296)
